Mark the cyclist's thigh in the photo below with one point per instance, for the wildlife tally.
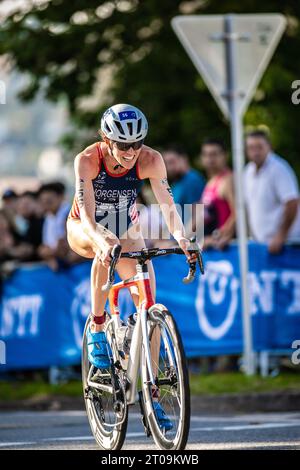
(127, 267)
(78, 240)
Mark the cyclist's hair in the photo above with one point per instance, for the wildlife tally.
(176, 148)
(55, 187)
(260, 134)
(215, 141)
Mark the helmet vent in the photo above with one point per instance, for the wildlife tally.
(120, 129)
(107, 127)
(139, 125)
(129, 125)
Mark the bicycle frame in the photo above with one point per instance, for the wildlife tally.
(140, 335)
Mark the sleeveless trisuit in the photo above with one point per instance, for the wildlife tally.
(115, 197)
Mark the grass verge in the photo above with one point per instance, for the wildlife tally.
(212, 384)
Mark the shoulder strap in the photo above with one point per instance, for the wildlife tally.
(100, 155)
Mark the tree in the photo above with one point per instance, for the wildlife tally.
(63, 46)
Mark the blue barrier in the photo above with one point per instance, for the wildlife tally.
(42, 313)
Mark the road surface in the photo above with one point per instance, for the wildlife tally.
(70, 430)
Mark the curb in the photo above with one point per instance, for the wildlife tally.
(204, 404)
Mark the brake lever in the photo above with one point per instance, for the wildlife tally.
(192, 269)
(115, 254)
(200, 261)
(191, 274)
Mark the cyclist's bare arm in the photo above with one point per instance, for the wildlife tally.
(156, 172)
(86, 168)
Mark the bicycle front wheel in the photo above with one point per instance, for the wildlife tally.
(104, 395)
(172, 390)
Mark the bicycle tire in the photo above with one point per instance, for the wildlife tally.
(159, 313)
(114, 439)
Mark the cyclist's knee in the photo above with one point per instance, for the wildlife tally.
(77, 244)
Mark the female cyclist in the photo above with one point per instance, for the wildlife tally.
(108, 177)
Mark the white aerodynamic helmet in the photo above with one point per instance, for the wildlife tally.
(124, 123)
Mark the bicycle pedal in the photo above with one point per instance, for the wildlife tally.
(144, 418)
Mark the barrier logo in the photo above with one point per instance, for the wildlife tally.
(20, 316)
(218, 287)
(80, 309)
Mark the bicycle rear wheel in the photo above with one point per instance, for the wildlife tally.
(172, 380)
(104, 396)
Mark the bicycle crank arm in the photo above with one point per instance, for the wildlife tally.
(103, 387)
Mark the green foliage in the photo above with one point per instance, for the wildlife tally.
(63, 45)
(218, 383)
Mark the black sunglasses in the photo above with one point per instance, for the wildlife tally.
(123, 146)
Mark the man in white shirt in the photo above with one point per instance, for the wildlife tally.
(271, 194)
(56, 209)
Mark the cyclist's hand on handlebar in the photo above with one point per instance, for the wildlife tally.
(184, 244)
(104, 253)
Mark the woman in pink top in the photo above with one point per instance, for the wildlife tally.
(218, 195)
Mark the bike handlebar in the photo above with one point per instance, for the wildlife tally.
(149, 253)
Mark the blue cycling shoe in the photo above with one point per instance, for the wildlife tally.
(164, 422)
(97, 349)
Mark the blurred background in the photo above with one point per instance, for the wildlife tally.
(62, 64)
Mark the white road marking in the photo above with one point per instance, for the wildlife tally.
(7, 444)
(142, 434)
(244, 427)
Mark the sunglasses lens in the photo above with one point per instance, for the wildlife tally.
(137, 145)
(124, 146)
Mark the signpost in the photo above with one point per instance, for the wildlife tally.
(231, 53)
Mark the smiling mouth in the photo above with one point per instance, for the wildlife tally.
(128, 159)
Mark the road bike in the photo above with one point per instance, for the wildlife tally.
(146, 365)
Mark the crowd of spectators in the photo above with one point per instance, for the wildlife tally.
(33, 223)
(33, 226)
(271, 192)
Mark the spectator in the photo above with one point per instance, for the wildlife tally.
(218, 195)
(271, 194)
(187, 184)
(11, 245)
(10, 203)
(8, 236)
(29, 208)
(54, 248)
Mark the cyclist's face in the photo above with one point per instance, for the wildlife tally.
(126, 158)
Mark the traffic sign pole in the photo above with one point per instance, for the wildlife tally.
(231, 52)
(238, 164)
